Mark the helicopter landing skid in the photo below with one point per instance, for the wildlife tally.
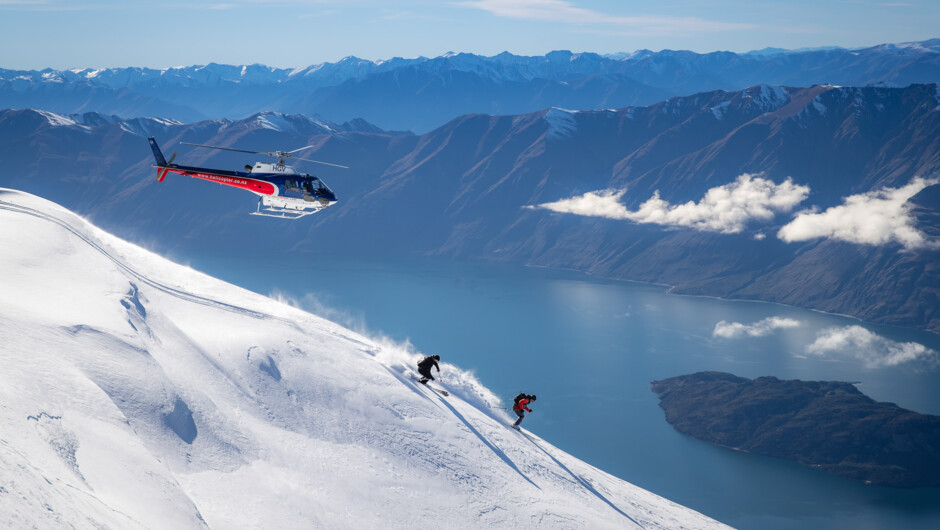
(268, 209)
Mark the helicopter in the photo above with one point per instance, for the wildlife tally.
(283, 191)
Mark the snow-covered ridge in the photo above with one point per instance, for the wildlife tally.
(85, 122)
(764, 98)
(561, 122)
(768, 97)
(719, 110)
(277, 121)
(145, 127)
(138, 393)
(59, 120)
(556, 65)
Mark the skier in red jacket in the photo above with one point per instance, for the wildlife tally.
(521, 405)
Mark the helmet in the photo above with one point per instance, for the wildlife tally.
(532, 397)
(436, 357)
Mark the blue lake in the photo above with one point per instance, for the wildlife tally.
(589, 348)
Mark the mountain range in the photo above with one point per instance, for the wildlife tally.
(822, 197)
(423, 93)
(803, 177)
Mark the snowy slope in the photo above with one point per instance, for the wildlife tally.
(136, 392)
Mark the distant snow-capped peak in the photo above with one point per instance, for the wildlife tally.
(58, 120)
(561, 122)
(277, 121)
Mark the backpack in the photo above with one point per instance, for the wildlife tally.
(515, 400)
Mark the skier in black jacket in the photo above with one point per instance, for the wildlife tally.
(424, 368)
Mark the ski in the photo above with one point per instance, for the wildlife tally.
(438, 390)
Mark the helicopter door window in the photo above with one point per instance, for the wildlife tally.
(291, 185)
(308, 190)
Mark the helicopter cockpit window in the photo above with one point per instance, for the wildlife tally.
(314, 186)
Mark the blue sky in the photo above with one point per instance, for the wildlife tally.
(62, 34)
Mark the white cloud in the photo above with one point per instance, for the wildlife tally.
(872, 349)
(726, 208)
(604, 203)
(562, 11)
(875, 218)
(733, 330)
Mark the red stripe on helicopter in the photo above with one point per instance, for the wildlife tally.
(256, 186)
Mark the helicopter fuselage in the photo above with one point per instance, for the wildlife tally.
(284, 191)
(261, 180)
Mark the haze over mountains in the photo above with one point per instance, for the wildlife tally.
(807, 178)
(423, 93)
(820, 196)
(485, 187)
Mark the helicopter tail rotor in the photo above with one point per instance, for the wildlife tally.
(162, 174)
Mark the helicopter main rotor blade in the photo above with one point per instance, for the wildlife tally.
(319, 162)
(278, 154)
(229, 149)
(301, 149)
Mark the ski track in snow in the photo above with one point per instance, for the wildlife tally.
(183, 295)
(157, 285)
(193, 419)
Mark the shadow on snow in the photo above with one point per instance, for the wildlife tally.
(587, 485)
